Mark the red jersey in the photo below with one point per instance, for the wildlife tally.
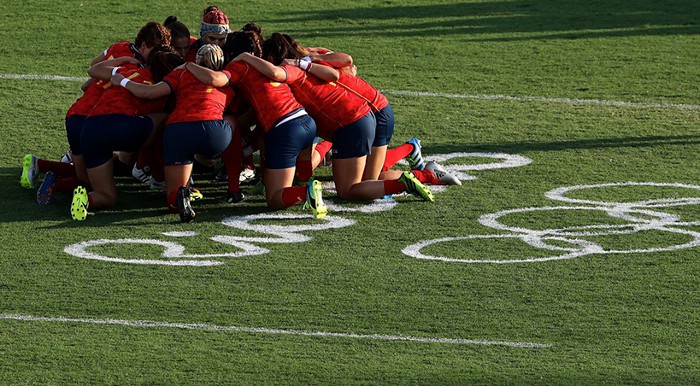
(195, 45)
(118, 100)
(330, 105)
(359, 86)
(270, 100)
(87, 101)
(194, 100)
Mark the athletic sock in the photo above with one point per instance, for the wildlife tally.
(293, 195)
(426, 176)
(66, 184)
(60, 168)
(395, 155)
(393, 187)
(233, 158)
(171, 201)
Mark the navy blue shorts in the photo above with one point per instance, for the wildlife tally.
(284, 142)
(355, 139)
(104, 134)
(181, 141)
(385, 126)
(74, 126)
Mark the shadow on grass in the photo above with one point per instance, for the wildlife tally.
(547, 18)
(519, 147)
(138, 205)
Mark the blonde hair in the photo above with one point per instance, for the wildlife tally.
(210, 56)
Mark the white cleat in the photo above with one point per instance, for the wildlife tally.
(443, 175)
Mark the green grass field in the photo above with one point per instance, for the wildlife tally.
(570, 256)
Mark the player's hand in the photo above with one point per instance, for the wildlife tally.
(117, 78)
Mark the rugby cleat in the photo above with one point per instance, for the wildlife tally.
(195, 194)
(314, 199)
(415, 158)
(142, 174)
(247, 174)
(45, 191)
(30, 171)
(79, 205)
(415, 187)
(234, 198)
(184, 208)
(68, 157)
(443, 176)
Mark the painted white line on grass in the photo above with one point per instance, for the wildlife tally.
(523, 98)
(44, 77)
(260, 330)
(517, 98)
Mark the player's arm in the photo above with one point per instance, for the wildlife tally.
(140, 90)
(99, 58)
(207, 76)
(335, 59)
(266, 68)
(327, 73)
(87, 84)
(103, 70)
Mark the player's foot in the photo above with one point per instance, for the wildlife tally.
(314, 199)
(443, 176)
(234, 198)
(45, 191)
(141, 174)
(79, 206)
(195, 194)
(415, 159)
(30, 171)
(184, 207)
(415, 187)
(68, 157)
(247, 174)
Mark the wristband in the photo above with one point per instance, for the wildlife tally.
(307, 58)
(304, 65)
(114, 70)
(124, 82)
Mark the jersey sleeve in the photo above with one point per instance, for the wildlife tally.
(293, 73)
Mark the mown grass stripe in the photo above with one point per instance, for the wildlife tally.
(517, 98)
(262, 330)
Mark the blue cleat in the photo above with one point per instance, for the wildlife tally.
(415, 159)
(45, 191)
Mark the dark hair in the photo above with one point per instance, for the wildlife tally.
(277, 48)
(210, 8)
(162, 60)
(153, 33)
(301, 50)
(178, 29)
(248, 39)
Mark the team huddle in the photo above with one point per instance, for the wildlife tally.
(155, 106)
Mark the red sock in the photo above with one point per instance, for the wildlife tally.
(90, 199)
(293, 195)
(66, 184)
(304, 170)
(323, 148)
(171, 201)
(155, 160)
(393, 187)
(426, 176)
(232, 158)
(396, 154)
(61, 169)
